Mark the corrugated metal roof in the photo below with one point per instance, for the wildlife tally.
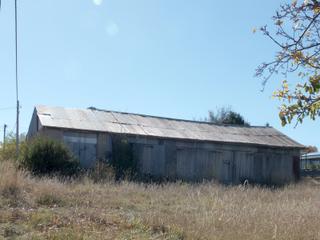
(315, 155)
(144, 125)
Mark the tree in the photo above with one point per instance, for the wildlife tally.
(226, 116)
(297, 35)
(9, 152)
(311, 149)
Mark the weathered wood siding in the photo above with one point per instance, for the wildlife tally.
(227, 163)
(196, 161)
(34, 126)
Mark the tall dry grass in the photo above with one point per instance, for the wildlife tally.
(47, 208)
(12, 181)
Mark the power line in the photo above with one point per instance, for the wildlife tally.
(6, 108)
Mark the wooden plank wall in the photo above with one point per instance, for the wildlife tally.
(230, 164)
(196, 161)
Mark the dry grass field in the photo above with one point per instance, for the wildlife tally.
(33, 208)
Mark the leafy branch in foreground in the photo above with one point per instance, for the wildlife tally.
(297, 36)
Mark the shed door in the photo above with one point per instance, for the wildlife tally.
(185, 164)
(87, 153)
(226, 167)
(83, 147)
(147, 159)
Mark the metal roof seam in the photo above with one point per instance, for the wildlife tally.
(116, 122)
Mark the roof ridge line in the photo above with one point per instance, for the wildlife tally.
(177, 119)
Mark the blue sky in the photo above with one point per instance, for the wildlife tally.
(174, 58)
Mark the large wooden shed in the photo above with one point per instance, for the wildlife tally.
(174, 148)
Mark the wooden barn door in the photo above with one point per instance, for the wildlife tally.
(226, 167)
(185, 163)
(147, 159)
(83, 147)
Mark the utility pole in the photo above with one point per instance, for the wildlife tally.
(4, 136)
(17, 88)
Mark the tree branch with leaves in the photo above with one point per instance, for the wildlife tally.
(297, 35)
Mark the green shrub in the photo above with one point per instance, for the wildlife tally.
(46, 156)
(8, 153)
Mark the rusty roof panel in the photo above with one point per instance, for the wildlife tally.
(137, 124)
